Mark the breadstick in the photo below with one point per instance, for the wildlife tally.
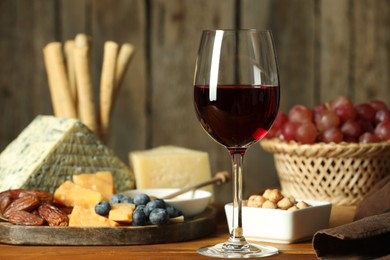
(69, 48)
(86, 104)
(124, 57)
(107, 84)
(83, 40)
(58, 81)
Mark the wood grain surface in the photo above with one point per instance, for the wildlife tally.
(325, 48)
(183, 250)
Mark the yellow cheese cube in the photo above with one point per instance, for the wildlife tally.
(122, 212)
(82, 217)
(70, 194)
(102, 182)
(170, 167)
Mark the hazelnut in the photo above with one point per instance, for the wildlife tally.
(292, 199)
(273, 199)
(302, 205)
(285, 203)
(256, 201)
(266, 193)
(273, 195)
(269, 205)
(293, 208)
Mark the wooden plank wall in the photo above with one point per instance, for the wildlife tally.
(325, 48)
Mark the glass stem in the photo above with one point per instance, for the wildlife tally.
(237, 238)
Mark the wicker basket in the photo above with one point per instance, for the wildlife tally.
(339, 173)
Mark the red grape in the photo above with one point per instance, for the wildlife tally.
(336, 121)
(306, 133)
(345, 112)
(351, 128)
(278, 134)
(369, 138)
(383, 130)
(300, 114)
(326, 120)
(349, 139)
(272, 133)
(288, 131)
(382, 115)
(378, 105)
(365, 126)
(331, 135)
(366, 112)
(340, 101)
(280, 119)
(318, 110)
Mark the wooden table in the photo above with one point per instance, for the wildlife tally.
(183, 250)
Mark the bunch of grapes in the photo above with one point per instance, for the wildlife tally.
(337, 121)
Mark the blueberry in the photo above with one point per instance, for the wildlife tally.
(102, 208)
(139, 218)
(140, 207)
(159, 217)
(127, 199)
(160, 203)
(141, 199)
(173, 212)
(154, 204)
(116, 198)
(120, 198)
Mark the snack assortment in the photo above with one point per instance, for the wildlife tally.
(66, 160)
(274, 199)
(90, 200)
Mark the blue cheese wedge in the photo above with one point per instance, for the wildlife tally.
(50, 151)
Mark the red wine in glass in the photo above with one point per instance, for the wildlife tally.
(238, 115)
(236, 98)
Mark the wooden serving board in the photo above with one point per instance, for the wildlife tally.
(195, 227)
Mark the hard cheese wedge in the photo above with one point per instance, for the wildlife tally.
(102, 182)
(70, 194)
(51, 150)
(82, 217)
(122, 212)
(170, 167)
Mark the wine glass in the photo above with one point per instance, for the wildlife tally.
(236, 96)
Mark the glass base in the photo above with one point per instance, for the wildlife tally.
(222, 250)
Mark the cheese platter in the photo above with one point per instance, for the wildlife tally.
(69, 191)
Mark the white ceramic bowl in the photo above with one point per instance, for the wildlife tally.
(282, 226)
(190, 203)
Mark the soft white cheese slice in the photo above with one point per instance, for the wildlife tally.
(170, 167)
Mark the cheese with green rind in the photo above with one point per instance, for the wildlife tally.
(51, 150)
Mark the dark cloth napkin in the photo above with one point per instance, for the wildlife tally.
(368, 237)
(376, 201)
